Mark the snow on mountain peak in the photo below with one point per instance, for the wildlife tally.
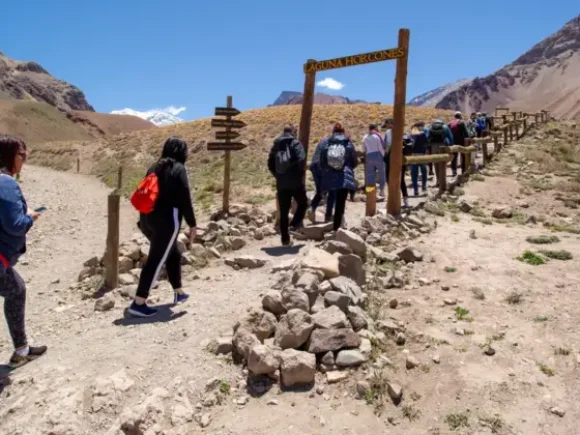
(159, 117)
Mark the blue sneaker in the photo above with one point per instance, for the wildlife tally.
(180, 298)
(141, 310)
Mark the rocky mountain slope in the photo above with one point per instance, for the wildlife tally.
(545, 77)
(434, 96)
(292, 97)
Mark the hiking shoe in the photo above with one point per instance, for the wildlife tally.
(179, 298)
(287, 243)
(33, 353)
(141, 310)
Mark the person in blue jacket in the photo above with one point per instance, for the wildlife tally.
(317, 176)
(337, 162)
(15, 222)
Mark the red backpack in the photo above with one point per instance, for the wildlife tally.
(146, 194)
(454, 126)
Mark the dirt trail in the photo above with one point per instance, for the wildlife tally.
(101, 366)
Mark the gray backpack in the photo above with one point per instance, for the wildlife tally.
(336, 155)
(283, 158)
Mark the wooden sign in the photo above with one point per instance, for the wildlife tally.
(226, 146)
(227, 123)
(226, 135)
(226, 111)
(357, 59)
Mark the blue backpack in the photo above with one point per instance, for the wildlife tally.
(480, 124)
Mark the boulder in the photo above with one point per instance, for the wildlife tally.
(263, 360)
(357, 317)
(198, 250)
(125, 264)
(126, 279)
(243, 341)
(260, 323)
(351, 266)
(237, 243)
(273, 303)
(220, 345)
(317, 259)
(502, 213)
(325, 340)
(318, 305)
(465, 206)
(92, 262)
(308, 282)
(356, 243)
(410, 255)
(293, 298)
(333, 298)
(294, 329)
(350, 358)
(249, 262)
(267, 326)
(297, 368)
(334, 247)
(328, 359)
(315, 232)
(348, 287)
(330, 318)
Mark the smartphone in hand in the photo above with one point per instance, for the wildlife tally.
(40, 209)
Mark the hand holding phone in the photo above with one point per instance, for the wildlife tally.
(40, 209)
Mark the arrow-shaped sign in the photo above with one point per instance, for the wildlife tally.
(232, 123)
(226, 111)
(224, 146)
(225, 135)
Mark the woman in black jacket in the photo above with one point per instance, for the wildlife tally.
(162, 225)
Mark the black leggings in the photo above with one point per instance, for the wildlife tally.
(163, 250)
(285, 201)
(403, 170)
(13, 290)
(339, 207)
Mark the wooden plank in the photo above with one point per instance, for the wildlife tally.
(227, 160)
(396, 158)
(441, 171)
(306, 113)
(226, 135)
(427, 158)
(226, 111)
(228, 123)
(457, 149)
(226, 146)
(112, 249)
(357, 59)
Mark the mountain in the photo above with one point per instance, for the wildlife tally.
(292, 97)
(159, 117)
(545, 77)
(30, 81)
(431, 98)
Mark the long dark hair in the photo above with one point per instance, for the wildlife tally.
(174, 150)
(9, 147)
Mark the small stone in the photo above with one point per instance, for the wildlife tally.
(126, 279)
(436, 359)
(105, 303)
(445, 288)
(557, 411)
(489, 351)
(400, 339)
(424, 281)
(293, 329)
(319, 390)
(220, 345)
(247, 261)
(297, 367)
(272, 402)
(393, 304)
(333, 298)
(334, 377)
(366, 347)
(328, 359)
(465, 206)
(243, 400)
(410, 255)
(334, 246)
(395, 392)
(357, 317)
(205, 420)
(350, 358)
(382, 362)
(361, 388)
(502, 213)
(450, 301)
(459, 331)
(411, 362)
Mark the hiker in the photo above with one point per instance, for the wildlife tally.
(489, 123)
(407, 150)
(160, 222)
(286, 162)
(420, 148)
(470, 125)
(317, 176)
(460, 133)
(439, 135)
(374, 149)
(15, 222)
(480, 124)
(337, 162)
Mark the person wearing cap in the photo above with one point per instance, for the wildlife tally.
(460, 133)
(374, 150)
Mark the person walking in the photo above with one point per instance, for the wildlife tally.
(15, 222)
(161, 225)
(420, 148)
(286, 163)
(337, 162)
(317, 177)
(374, 150)
(439, 135)
(460, 133)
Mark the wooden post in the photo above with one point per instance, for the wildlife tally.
(78, 165)
(112, 250)
(441, 171)
(496, 147)
(371, 204)
(525, 125)
(120, 178)
(485, 154)
(511, 132)
(307, 107)
(505, 136)
(396, 157)
(227, 162)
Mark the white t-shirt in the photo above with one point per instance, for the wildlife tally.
(372, 143)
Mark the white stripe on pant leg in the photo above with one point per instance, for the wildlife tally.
(169, 246)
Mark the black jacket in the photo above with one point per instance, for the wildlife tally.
(460, 134)
(292, 179)
(174, 193)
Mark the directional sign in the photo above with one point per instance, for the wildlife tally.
(226, 135)
(232, 123)
(225, 146)
(226, 111)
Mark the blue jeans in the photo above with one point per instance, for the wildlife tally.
(374, 163)
(330, 200)
(415, 177)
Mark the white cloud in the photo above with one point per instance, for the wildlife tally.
(330, 83)
(159, 117)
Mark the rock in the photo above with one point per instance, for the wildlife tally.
(382, 362)
(465, 206)
(450, 301)
(243, 341)
(205, 420)
(308, 282)
(395, 392)
(502, 213)
(263, 360)
(410, 255)
(220, 345)
(354, 241)
(182, 243)
(317, 259)
(249, 262)
(125, 264)
(325, 340)
(273, 303)
(459, 331)
(198, 250)
(328, 359)
(297, 368)
(336, 247)
(415, 221)
(237, 243)
(272, 402)
(393, 304)
(389, 326)
(105, 303)
(92, 262)
(214, 252)
(347, 287)
(131, 250)
(266, 327)
(436, 359)
(284, 266)
(434, 208)
(334, 377)
(338, 299)
(424, 281)
(315, 232)
(294, 329)
(411, 362)
(361, 388)
(324, 287)
(357, 318)
(292, 299)
(319, 305)
(128, 291)
(350, 358)
(400, 339)
(557, 411)
(126, 279)
(489, 351)
(330, 318)
(351, 266)
(445, 288)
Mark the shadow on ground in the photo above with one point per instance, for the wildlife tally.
(164, 315)
(280, 251)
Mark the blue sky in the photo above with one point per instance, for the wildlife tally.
(190, 53)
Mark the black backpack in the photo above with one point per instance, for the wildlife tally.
(408, 143)
(284, 157)
(437, 133)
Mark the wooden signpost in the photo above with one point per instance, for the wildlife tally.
(228, 123)
(401, 54)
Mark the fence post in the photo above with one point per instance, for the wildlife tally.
(496, 147)
(78, 165)
(485, 154)
(511, 132)
(112, 250)
(441, 171)
(505, 137)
